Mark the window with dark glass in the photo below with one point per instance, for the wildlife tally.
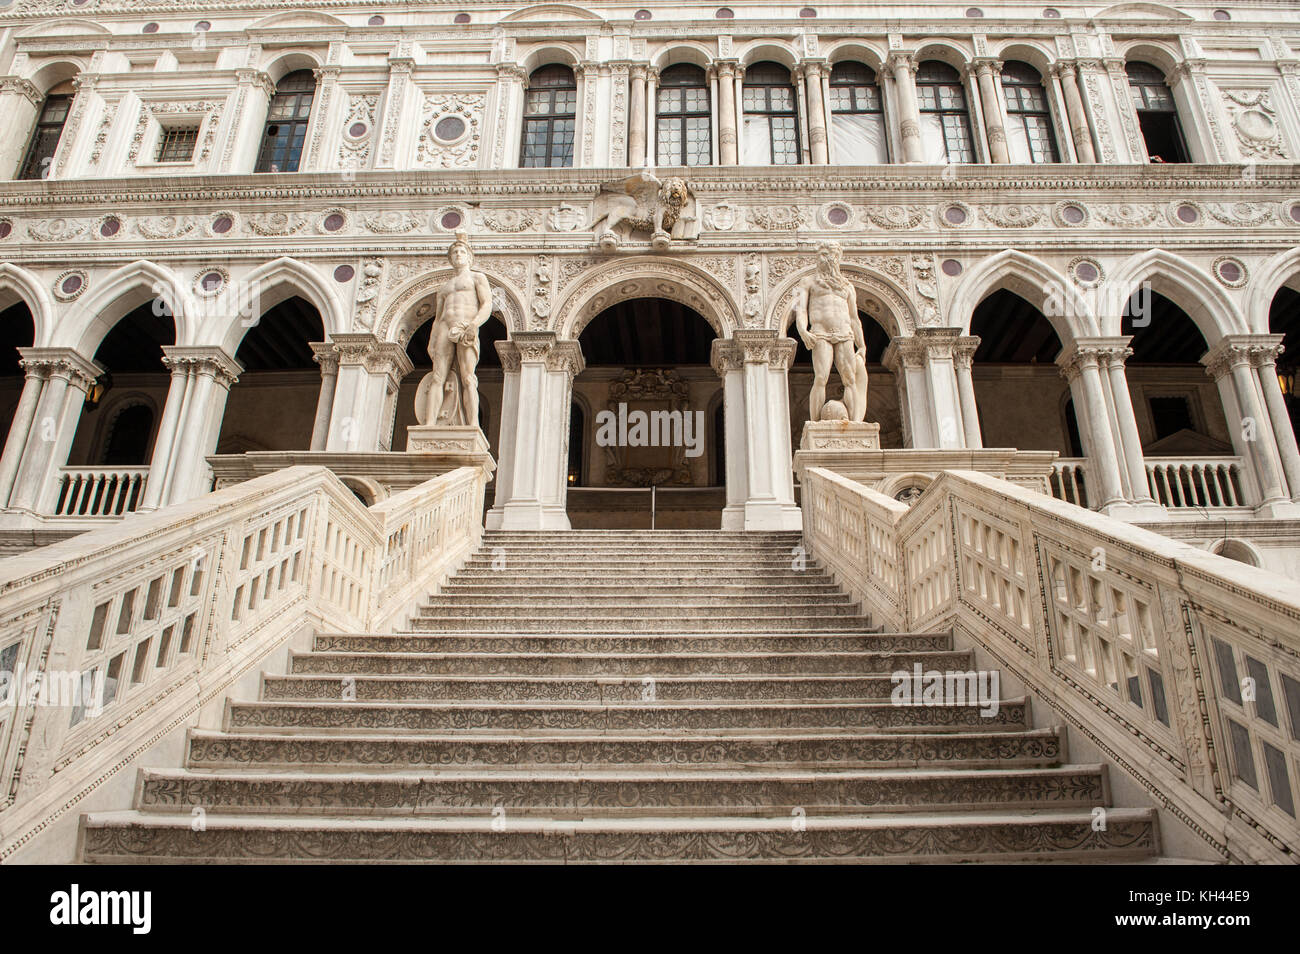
(857, 116)
(1157, 114)
(1029, 120)
(771, 133)
(684, 125)
(286, 123)
(945, 119)
(550, 118)
(177, 145)
(45, 137)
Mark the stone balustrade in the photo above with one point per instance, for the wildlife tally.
(1181, 666)
(100, 491)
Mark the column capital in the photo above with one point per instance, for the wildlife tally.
(541, 347)
(207, 359)
(374, 355)
(323, 353)
(901, 60)
(985, 65)
(511, 72)
(638, 71)
(752, 346)
(963, 351)
(401, 65)
(21, 87)
(1063, 69)
(1085, 354)
(1234, 350)
(259, 78)
(80, 371)
(726, 68)
(812, 67)
(905, 352)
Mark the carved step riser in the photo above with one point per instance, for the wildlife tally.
(670, 643)
(566, 665)
(596, 797)
(1028, 839)
(964, 750)
(563, 625)
(757, 603)
(632, 608)
(644, 718)
(576, 593)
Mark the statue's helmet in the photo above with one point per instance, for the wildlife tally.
(462, 241)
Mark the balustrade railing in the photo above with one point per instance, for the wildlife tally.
(1179, 482)
(1183, 665)
(113, 638)
(100, 491)
(1069, 482)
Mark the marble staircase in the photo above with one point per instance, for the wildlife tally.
(627, 696)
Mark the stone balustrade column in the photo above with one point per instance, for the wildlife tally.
(20, 428)
(68, 377)
(370, 372)
(728, 132)
(1080, 131)
(1080, 364)
(813, 72)
(20, 101)
(1263, 357)
(1229, 363)
(903, 68)
(987, 75)
(636, 124)
(532, 476)
(963, 354)
(323, 353)
(211, 373)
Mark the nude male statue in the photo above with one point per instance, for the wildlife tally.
(826, 317)
(461, 305)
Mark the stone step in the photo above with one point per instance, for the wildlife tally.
(608, 690)
(732, 717)
(582, 552)
(711, 559)
(665, 536)
(208, 750)
(642, 624)
(630, 581)
(623, 664)
(762, 601)
(579, 592)
(623, 609)
(136, 837)
(648, 643)
(612, 793)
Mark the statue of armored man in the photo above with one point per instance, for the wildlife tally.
(461, 305)
(826, 317)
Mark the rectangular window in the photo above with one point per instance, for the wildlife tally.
(45, 138)
(177, 144)
(1169, 415)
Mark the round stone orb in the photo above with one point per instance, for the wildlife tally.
(834, 411)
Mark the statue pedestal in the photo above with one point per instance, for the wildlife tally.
(457, 445)
(840, 435)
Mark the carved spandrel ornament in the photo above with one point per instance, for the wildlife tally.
(644, 203)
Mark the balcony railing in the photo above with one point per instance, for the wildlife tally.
(100, 491)
(1179, 482)
(1068, 480)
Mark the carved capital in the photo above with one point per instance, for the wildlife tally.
(60, 362)
(511, 73)
(963, 351)
(752, 346)
(323, 353)
(900, 61)
(19, 86)
(1234, 351)
(214, 362)
(1087, 353)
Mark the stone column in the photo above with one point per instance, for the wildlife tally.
(253, 92)
(68, 376)
(754, 366)
(730, 366)
(987, 74)
(505, 142)
(317, 149)
(211, 372)
(636, 124)
(1113, 353)
(531, 480)
(164, 446)
(905, 358)
(323, 354)
(21, 428)
(1264, 359)
(813, 71)
(728, 132)
(20, 101)
(1080, 364)
(370, 371)
(903, 66)
(651, 111)
(1229, 363)
(1080, 131)
(399, 81)
(963, 354)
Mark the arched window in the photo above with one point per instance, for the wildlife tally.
(46, 134)
(1029, 121)
(945, 120)
(286, 123)
(857, 116)
(1157, 114)
(684, 136)
(550, 118)
(771, 134)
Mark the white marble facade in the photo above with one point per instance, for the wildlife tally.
(416, 130)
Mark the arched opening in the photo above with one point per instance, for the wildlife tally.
(1157, 114)
(489, 381)
(17, 330)
(945, 118)
(770, 136)
(134, 377)
(857, 116)
(1284, 320)
(1030, 139)
(1018, 386)
(280, 373)
(648, 383)
(1176, 403)
(684, 120)
(47, 132)
(550, 118)
(287, 119)
(882, 394)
